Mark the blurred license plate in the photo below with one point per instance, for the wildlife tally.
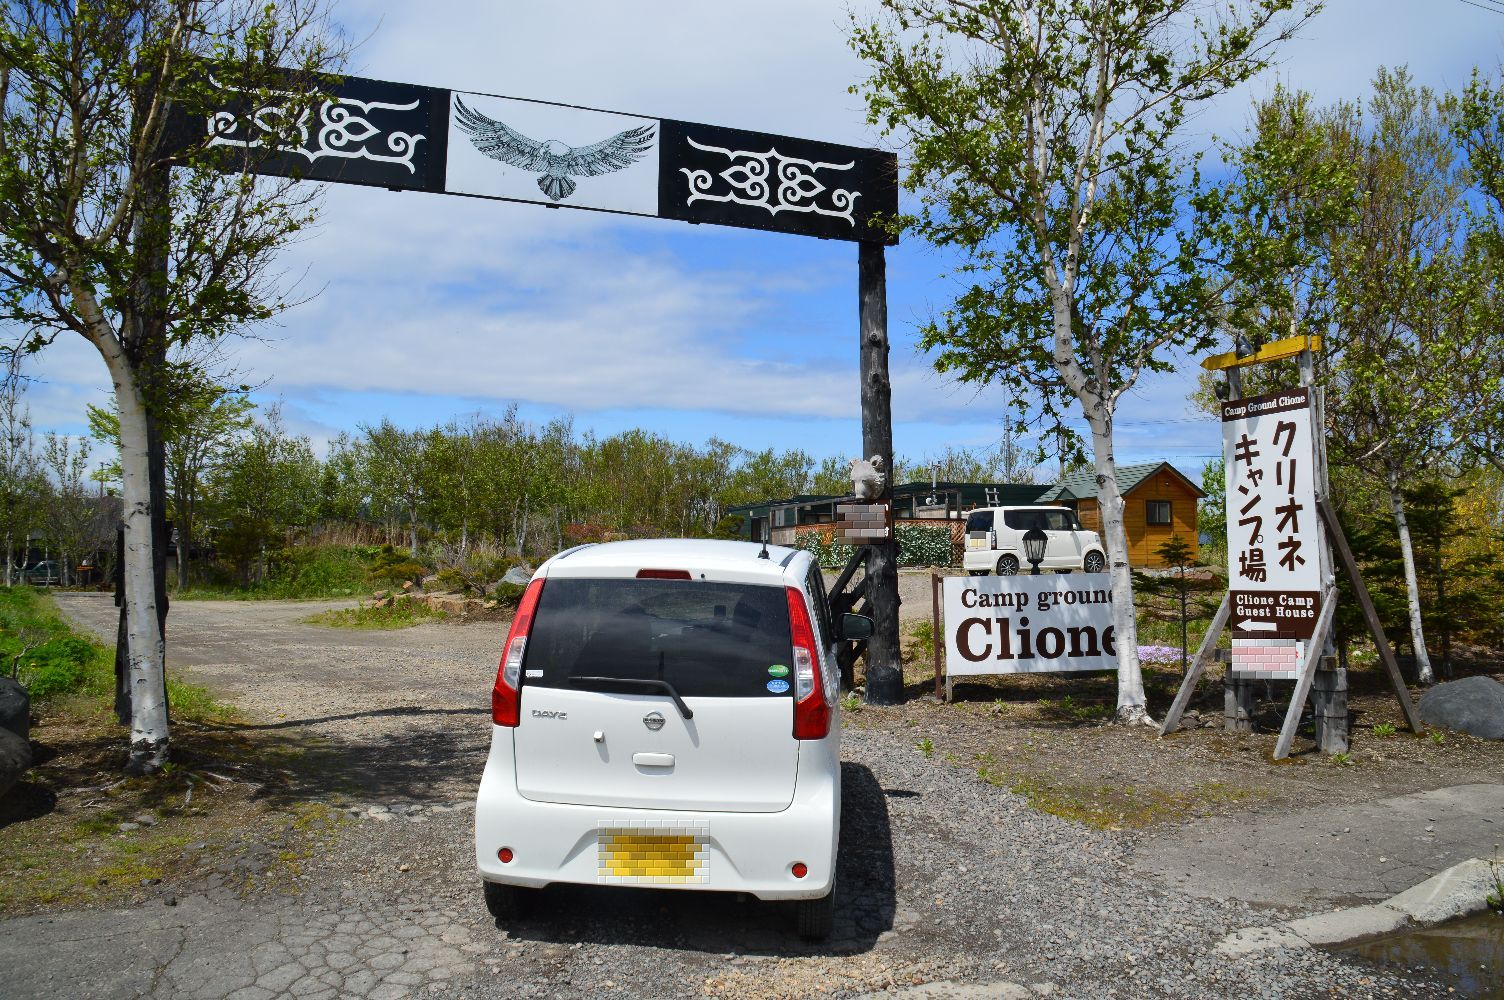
(976, 543)
(672, 856)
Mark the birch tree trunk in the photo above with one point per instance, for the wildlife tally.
(1412, 583)
(145, 671)
(1132, 703)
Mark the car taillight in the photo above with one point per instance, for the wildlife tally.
(664, 574)
(811, 712)
(505, 696)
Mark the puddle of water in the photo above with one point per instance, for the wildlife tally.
(1467, 955)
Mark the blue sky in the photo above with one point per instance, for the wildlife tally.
(430, 307)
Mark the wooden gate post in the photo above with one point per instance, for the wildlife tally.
(884, 668)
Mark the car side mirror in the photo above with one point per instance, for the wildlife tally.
(856, 627)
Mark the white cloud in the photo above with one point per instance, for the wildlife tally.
(478, 301)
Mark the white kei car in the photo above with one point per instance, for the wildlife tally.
(995, 541)
(666, 715)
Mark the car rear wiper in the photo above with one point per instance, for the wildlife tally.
(639, 682)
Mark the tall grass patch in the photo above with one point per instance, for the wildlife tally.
(300, 573)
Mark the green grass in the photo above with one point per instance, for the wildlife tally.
(191, 703)
(59, 662)
(1068, 710)
(399, 614)
(48, 657)
(307, 573)
(1114, 807)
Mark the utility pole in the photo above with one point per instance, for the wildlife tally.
(884, 669)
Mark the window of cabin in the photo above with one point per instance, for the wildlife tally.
(1159, 512)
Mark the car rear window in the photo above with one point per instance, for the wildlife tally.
(710, 640)
(979, 520)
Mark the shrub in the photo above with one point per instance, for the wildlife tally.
(322, 571)
(923, 545)
(828, 552)
(918, 545)
(59, 666)
(474, 572)
(508, 593)
(394, 568)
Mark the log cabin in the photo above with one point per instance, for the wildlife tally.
(1158, 501)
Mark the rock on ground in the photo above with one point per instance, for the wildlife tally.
(15, 758)
(15, 708)
(1474, 705)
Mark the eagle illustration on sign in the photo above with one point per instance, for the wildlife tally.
(555, 162)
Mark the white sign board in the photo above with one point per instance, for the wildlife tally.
(1029, 624)
(1274, 569)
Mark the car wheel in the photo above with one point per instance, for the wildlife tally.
(1007, 566)
(815, 916)
(507, 902)
(978, 572)
(1094, 562)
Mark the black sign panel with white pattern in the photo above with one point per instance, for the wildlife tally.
(429, 139)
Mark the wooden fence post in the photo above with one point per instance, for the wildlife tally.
(936, 582)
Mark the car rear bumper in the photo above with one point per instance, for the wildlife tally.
(736, 852)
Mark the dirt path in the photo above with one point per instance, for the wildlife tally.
(414, 700)
(941, 877)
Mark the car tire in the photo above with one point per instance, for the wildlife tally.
(815, 916)
(507, 902)
(1007, 566)
(1094, 562)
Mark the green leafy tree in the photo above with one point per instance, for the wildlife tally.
(69, 509)
(266, 489)
(1401, 289)
(22, 487)
(1176, 554)
(1476, 118)
(100, 241)
(198, 419)
(1212, 516)
(400, 462)
(1046, 141)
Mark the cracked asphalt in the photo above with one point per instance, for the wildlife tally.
(943, 878)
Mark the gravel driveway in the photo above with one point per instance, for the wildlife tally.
(942, 877)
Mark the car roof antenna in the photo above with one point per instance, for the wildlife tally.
(764, 553)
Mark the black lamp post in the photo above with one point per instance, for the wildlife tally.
(1034, 543)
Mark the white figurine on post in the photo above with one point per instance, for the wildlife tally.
(867, 477)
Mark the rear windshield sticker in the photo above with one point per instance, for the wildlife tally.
(535, 673)
(778, 686)
(778, 670)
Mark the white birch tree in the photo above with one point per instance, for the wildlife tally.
(111, 231)
(1045, 138)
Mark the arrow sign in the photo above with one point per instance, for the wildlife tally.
(1284, 614)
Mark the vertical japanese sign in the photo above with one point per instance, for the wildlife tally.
(1274, 570)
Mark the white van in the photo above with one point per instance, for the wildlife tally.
(995, 541)
(666, 715)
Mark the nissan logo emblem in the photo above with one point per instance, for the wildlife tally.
(653, 721)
